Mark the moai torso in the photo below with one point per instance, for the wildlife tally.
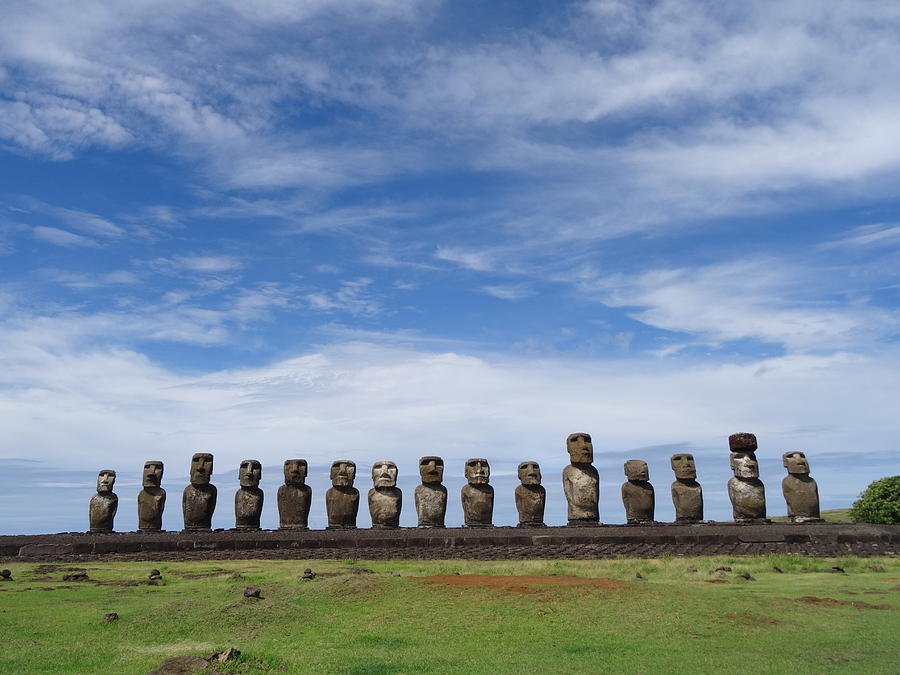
(581, 482)
(384, 506)
(151, 503)
(294, 497)
(800, 490)
(687, 496)
(198, 501)
(104, 504)
(431, 496)
(531, 497)
(342, 499)
(477, 496)
(152, 498)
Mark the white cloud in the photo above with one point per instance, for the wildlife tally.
(353, 297)
(481, 261)
(53, 235)
(878, 234)
(508, 291)
(210, 264)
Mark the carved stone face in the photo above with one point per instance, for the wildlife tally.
(250, 473)
(431, 469)
(636, 469)
(477, 471)
(581, 450)
(105, 481)
(683, 466)
(384, 474)
(295, 471)
(530, 473)
(742, 442)
(153, 473)
(343, 473)
(201, 468)
(744, 465)
(795, 462)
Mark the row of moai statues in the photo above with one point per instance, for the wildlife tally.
(581, 485)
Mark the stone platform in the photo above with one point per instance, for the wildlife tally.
(497, 543)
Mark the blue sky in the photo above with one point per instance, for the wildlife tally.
(385, 229)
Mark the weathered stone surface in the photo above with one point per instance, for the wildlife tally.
(745, 489)
(531, 497)
(800, 490)
(110, 617)
(687, 495)
(198, 501)
(253, 592)
(104, 504)
(581, 482)
(431, 496)
(152, 499)
(5, 575)
(637, 493)
(294, 497)
(248, 500)
(477, 496)
(385, 498)
(342, 499)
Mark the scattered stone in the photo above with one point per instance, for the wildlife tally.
(109, 618)
(776, 568)
(252, 592)
(76, 576)
(6, 575)
(395, 574)
(180, 665)
(871, 568)
(747, 576)
(235, 575)
(308, 574)
(223, 656)
(691, 570)
(724, 568)
(155, 575)
(638, 575)
(837, 569)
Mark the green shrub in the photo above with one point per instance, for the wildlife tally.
(879, 503)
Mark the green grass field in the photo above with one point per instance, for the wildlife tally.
(671, 621)
(830, 516)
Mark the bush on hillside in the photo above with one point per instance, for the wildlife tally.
(879, 503)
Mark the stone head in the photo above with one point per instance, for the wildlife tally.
(530, 473)
(384, 474)
(431, 469)
(105, 481)
(795, 462)
(343, 473)
(153, 473)
(683, 466)
(250, 473)
(201, 468)
(742, 442)
(744, 465)
(295, 471)
(581, 450)
(478, 471)
(636, 469)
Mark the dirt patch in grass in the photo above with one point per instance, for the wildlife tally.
(532, 583)
(831, 602)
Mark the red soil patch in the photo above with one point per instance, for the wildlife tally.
(523, 583)
(831, 602)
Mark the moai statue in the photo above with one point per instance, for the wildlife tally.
(800, 491)
(531, 497)
(103, 504)
(581, 482)
(342, 499)
(431, 496)
(294, 497)
(248, 500)
(637, 493)
(745, 489)
(199, 498)
(385, 499)
(477, 495)
(687, 495)
(152, 499)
